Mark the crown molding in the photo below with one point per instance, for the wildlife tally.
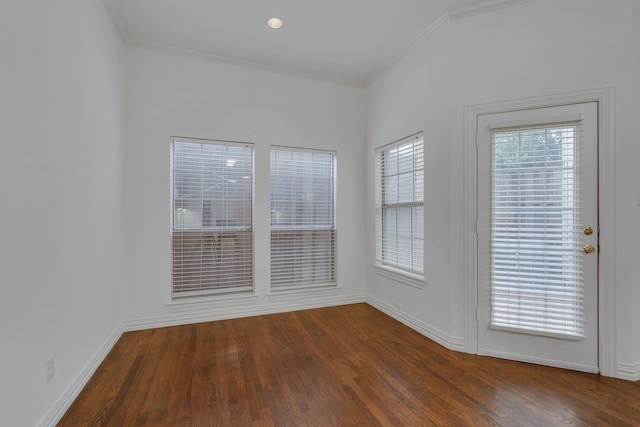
(120, 25)
(484, 7)
(323, 77)
(464, 12)
(116, 18)
(455, 14)
(406, 49)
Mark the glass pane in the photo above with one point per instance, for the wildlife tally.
(401, 177)
(536, 270)
(212, 240)
(302, 257)
(391, 195)
(302, 218)
(405, 188)
(302, 189)
(212, 186)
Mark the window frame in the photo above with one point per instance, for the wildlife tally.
(383, 266)
(221, 233)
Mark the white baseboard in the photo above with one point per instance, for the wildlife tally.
(629, 372)
(447, 341)
(279, 304)
(53, 416)
(539, 361)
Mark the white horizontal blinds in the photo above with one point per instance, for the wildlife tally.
(400, 205)
(212, 233)
(303, 233)
(536, 264)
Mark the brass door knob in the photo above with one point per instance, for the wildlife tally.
(588, 231)
(588, 249)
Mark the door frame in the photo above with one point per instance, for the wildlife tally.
(605, 97)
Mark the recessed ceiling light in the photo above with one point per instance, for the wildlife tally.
(275, 23)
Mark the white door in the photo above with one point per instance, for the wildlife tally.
(538, 236)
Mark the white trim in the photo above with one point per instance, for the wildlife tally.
(607, 206)
(398, 142)
(543, 122)
(629, 372)
(400, 276)
(186, 304)
(608, 231)
(406, 49)
(199, 314)
(57, 411)
(116, 18)
(209, 141)
(445, 340)
(304, 292)
(470, 229)
(303, 149)
(484, 7)
(324, 77)
(540, 361)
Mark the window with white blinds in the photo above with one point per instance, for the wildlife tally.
(303, 232)
(211, 209)
(400, 205)
(536, 265)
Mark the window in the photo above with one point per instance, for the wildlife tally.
(400, 206)
(536, 214)
(303, 232)
(212, 232)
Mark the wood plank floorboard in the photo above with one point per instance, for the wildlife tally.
(340, 366)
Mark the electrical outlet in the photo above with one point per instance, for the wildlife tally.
(49, 366)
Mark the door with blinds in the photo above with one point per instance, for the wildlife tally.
(538, 236)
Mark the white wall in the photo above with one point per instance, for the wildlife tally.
(62, 170)
(172, 94)
(413, 96)
(539, 48)
(61, 227)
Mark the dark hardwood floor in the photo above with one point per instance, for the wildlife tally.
(341, 366)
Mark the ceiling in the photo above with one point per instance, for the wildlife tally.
(341, 40)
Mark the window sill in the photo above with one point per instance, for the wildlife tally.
(184, 304)
(400, 276)
(311, 291)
